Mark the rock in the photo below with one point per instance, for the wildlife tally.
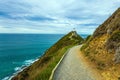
(117, 55)
(109, 31)
(74, 34)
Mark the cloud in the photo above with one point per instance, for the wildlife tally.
(54, 16)
(38, 18)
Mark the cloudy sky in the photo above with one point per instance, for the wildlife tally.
(54, 16)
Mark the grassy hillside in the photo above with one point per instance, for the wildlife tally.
(103, 47)
(41, 70)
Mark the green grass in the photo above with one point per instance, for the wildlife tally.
(84, 46)
(45, 74)
(41, 70)
(88, 38)
(86, 42)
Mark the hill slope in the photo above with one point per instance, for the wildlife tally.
(103, 47)
(41, 69)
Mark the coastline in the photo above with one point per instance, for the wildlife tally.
(20, 49)
(21, 68)
(50, 59)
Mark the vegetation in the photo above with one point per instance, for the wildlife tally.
(88, 37)
(113, 41)
(41, 69)
(86, 42)
(45, 74)
(103, 48)
(84, 46)
(110, 25)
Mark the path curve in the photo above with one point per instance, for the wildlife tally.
(72, 67)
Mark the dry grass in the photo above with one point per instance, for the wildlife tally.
(102, 59)
(101, 49)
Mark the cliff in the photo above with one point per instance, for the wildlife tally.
(41, 69)
(103, 47)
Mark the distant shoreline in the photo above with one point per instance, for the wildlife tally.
(22, 68)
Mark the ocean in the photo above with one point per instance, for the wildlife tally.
(20, 50)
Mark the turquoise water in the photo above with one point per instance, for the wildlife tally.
(20, 50)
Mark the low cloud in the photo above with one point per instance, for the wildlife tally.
(54, 16)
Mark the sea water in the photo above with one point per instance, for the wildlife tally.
(20, 50)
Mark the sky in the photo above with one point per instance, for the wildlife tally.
(54, 16)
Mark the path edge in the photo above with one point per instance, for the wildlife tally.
(53, 71)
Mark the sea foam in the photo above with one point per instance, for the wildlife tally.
(26, 63)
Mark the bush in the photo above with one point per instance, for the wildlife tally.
(118, 78)
(88, 37)
(83, 47)
(113, 40)
(101, 65)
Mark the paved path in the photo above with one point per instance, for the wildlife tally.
(72, 67)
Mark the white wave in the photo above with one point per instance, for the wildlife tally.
(6, 78)
(26, 63)
(29, 62)
(17, 69)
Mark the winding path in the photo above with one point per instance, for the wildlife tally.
(73, 67)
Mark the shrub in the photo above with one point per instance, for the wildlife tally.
(83, 47)
(88, 37)
(113, 40)
(118, 78)
(100, 64)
